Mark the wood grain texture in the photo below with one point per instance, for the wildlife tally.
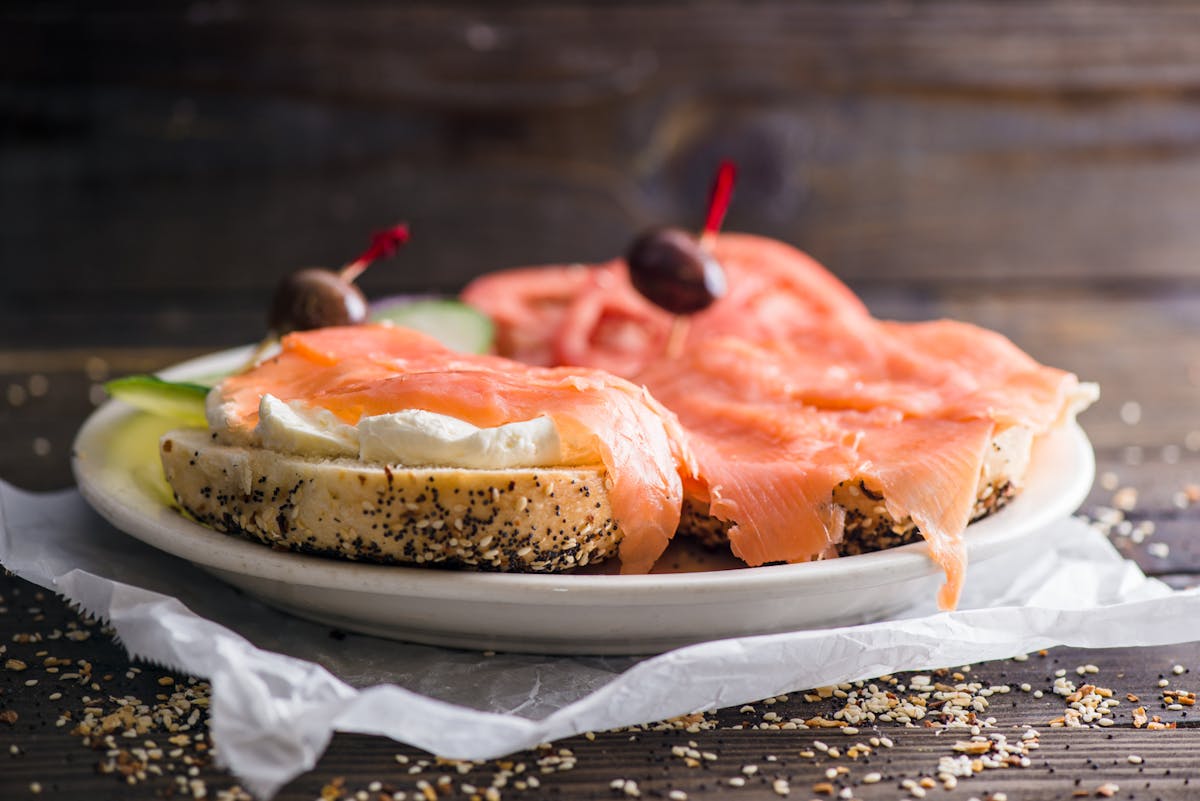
(216, 146)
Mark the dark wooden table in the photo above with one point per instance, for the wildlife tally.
(1033, 167)
(1138, 342)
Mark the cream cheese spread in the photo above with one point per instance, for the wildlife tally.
(413, 436)
(410, 437)
(304, 430)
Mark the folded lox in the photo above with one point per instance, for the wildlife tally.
(816, 429)
(618, 477)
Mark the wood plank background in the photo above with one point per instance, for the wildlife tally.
(194, 152)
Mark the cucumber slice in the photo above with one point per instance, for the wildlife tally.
(456, 325)
(179, 400)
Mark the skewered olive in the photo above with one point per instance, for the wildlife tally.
(674, 271)
(315, 298)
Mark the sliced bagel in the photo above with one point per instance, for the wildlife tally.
(516, 520)
(868, 526)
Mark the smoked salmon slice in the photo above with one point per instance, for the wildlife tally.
(787, 387)
(360, 371)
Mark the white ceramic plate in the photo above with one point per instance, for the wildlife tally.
(117, 470)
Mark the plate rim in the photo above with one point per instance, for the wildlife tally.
(166, 530)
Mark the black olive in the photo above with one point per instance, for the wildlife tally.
(315, 298)
(674, 271)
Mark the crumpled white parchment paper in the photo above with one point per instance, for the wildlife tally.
(282, 686)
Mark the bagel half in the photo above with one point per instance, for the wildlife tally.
(869, 525)
(518, 520)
